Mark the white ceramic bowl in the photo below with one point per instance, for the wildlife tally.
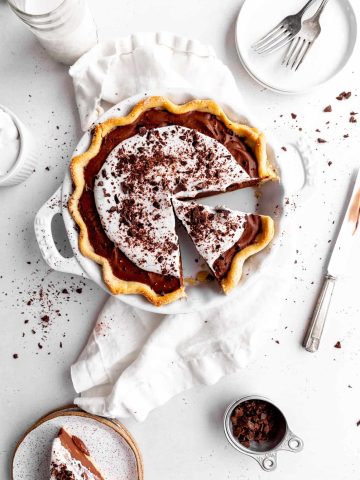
(27, 158)
(201, 296)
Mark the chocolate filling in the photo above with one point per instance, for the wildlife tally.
(252, 229)
(205, 123)
(72, 445)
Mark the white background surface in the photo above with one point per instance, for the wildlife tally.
(184, 439)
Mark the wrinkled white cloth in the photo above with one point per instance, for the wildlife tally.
(117, 69)
(135, 360)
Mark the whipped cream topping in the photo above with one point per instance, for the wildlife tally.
(9, 142)
(213, 230)
(134, 189)
(62, 462)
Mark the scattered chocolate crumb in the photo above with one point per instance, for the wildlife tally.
(321, 140)
(346, 135)
(358, 423)
(284, 148)
(60, 344)
(328, 109)
(352, 119)
(40, 346)
(79, 290)
(337, 344)
(293, 116)
(343, 96)
(330, 163)
(65, 291)
(15, 355)
(353, 113)
(45, 319)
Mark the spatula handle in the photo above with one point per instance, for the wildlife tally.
(317, 322)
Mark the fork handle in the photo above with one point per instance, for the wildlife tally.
(320, 10)
(306, 7)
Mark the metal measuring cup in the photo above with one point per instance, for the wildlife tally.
(265, 453)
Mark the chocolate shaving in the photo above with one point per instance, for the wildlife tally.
(328, 109)
(255, 421)
(337, 344)
(343, 96)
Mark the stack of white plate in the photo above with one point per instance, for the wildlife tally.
(328, 56)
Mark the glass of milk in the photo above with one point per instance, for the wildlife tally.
(65, 28)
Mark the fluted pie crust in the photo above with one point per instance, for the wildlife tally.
(253, 138)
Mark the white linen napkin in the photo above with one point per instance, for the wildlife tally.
(117, 69)
(135, 360)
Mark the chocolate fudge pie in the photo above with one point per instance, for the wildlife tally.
(136, 166)
(224, 238)
(70, 459)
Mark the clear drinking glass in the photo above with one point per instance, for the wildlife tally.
(66, 30)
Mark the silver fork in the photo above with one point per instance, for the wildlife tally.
(283, 33)
(300, 46)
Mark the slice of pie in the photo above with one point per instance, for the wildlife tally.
(224, 238)
(70, 459)
(136, 165)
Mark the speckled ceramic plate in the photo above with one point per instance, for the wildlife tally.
(109, 443)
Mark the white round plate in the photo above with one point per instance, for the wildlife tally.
(327, 57)
(208, 294)
(113, 455)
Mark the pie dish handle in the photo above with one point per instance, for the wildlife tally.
(308, 160)
(45, 239)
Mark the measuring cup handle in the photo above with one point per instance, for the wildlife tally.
(267, 462)
(292, 443)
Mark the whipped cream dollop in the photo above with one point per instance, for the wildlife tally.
(134, 189)
(9, 142)
(214, 230)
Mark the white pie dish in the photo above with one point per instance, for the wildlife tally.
(201, 296)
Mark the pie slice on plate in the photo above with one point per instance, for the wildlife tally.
(224, 238)
(136, 165)
(70, 459)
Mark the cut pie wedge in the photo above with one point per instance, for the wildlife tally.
(224, 238)
(71, 460)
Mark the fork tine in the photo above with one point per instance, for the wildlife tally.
(299, 53)
(271, 38)
(304, 54)
(279, 44)
(290, 52)
(276, 36)
(267, 36)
